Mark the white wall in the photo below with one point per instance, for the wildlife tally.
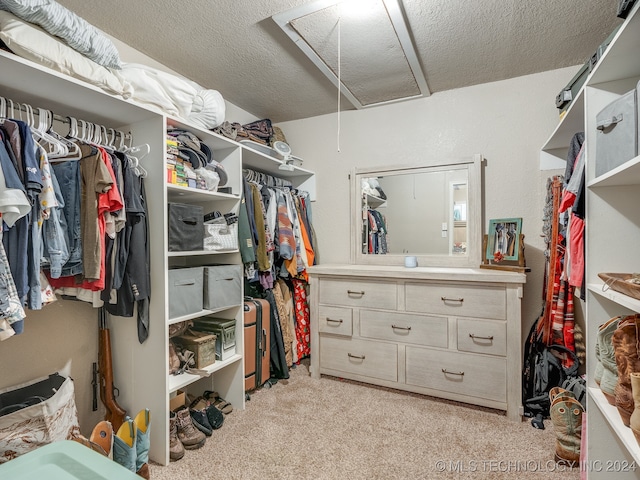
(507, 122)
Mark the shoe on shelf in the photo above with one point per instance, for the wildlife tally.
(198, 410)
(609, 371)
(176, 449)
(217, 401)
(189, 435)
(142, 421)
(625, 348)
(215, 418)
(124, 445)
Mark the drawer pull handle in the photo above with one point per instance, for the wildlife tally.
(353, 292)
(339, 320)
(490, 337)
(445, 371)
(358, 357)
(447, 299)
(396, 327)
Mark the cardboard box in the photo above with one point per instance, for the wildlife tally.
(178, 401)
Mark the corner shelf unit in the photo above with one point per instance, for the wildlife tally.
(612, 234)
(141, 370)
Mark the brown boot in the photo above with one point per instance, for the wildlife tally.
(188, 434)
(624, 342)
(566, 416)
(176, 449)
(634, 421)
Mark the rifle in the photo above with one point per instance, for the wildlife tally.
(115, 413)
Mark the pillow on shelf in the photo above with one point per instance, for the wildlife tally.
(63, 23)
(33, 43)
(174, 95)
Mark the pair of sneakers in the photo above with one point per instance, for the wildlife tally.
(206, 417)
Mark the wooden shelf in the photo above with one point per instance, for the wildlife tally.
(181, 381)
(626, 174)
(619, 298)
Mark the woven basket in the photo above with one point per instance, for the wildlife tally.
(620, 282)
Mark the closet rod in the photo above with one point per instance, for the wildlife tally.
(59, 118)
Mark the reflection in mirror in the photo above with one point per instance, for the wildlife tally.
(425, 211)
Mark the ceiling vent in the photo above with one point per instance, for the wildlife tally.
(363, 47)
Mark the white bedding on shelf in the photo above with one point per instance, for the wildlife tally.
(33, 43)
(171, 94)
(175, 95)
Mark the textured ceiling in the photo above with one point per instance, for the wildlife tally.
(234, 46)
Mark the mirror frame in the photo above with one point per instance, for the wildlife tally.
(472, 259)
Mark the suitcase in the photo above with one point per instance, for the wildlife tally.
(257, 327)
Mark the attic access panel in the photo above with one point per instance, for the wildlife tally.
(363, 47)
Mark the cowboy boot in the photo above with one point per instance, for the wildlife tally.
(609, 371)
(634, 421)
(624, 342)
(566, 415)
(141, 422)
(555, 391)
(124, 445)
(102, 435)
(599, 370)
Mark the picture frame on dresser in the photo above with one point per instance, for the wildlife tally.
(502, 239)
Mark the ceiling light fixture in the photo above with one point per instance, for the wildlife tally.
(356, 8)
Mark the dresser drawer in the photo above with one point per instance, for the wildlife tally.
(463, 300)
(404, 327)
(361, 357)
(481, 376)
(356, 293)
(336, 320)
(482, 336)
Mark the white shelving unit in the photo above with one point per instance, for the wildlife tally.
(612, 234)
(141, 370)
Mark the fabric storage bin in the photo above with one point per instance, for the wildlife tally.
(222, 286)
(185, 291)
(225, 331)
(186, 230)
(617, 137)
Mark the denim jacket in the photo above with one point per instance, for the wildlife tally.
(54, 234)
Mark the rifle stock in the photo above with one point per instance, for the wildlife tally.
(114, 412)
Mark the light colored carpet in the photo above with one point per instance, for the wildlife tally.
(333, 429)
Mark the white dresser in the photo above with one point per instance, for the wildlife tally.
(453, 333)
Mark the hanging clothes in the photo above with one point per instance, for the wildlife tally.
(302, 313)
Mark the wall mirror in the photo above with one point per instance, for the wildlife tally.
(432, 211)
